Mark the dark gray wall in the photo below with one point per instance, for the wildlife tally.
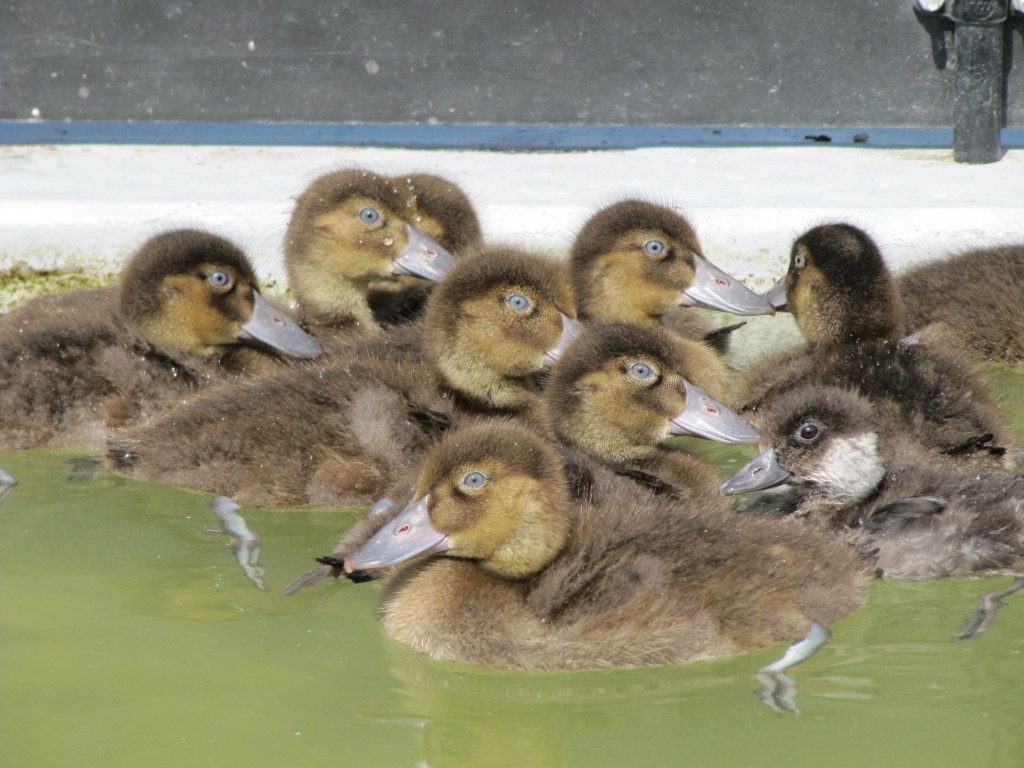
(725, 62)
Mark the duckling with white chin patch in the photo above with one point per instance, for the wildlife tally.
(340, 433)
(77, 363)
(511, 571)
(916, 521)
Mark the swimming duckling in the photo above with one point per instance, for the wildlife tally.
(977, 295)
(620, 391)
(638, 262)
(848, 309)
(339, 433)
(512, 571)
(916, 521)
(73, 364)
(355, 237)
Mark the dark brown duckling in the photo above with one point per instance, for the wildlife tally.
(619, 392)
(74, 364)
(977, 296)
(638, 262)
(916, 521)
(339, 433)
(848, 309)
(513, 571)
(360, 247)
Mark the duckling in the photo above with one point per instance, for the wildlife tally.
(77, 363)
(977, 295)
(848, 309)
(638, 262)
(356, 237)
(512, 571)
(620, 391)
(340, 433)
(916, 521)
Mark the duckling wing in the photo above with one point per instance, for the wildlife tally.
(897, 515)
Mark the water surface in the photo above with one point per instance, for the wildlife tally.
(130, 636)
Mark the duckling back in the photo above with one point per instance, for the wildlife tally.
(977, 296)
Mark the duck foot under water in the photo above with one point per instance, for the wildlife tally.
(985, 614)
(778, 689)
(244, 543)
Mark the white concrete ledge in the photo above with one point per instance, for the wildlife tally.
(74, 207)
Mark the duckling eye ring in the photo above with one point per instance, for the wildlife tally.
(799, 261)
(518, 303)
(654, 248)
(641, 371)
(219, 279)
(807, 433)
(369, 216)
(474, 480)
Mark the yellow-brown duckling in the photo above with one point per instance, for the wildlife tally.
(619, 392)
(76, 363)
(848, 309)
(341, 431)
(977, 295)
(511, 571)
(638, 262)
(360, 246)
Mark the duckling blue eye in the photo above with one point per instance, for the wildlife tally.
(518, 303)
(641, 371)
(219, 279)
(474, 480)
(369, 216)
(654, 247)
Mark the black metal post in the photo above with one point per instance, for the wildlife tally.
(978, 92)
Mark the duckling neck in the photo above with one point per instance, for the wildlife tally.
(332, 302)
(606, 304)
(480, 389)
(189, 369)
(541, 534)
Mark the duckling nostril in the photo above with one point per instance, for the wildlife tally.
(278, 321)
(720, 282)
(756, 471)
(403, 529)
(711, 410)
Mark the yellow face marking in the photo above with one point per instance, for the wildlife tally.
(804, 300)
(349, 248)
(629, 285)
(196, 316)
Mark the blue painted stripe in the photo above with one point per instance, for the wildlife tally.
(470, 136)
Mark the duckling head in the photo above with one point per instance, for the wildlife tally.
(838, 288)
(824, 439)
(621, 390)
(191, 292)
(493, 493)
(352, 228)
(497, 320)
(634, 261)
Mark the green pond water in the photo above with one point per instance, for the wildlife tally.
(129, 636)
